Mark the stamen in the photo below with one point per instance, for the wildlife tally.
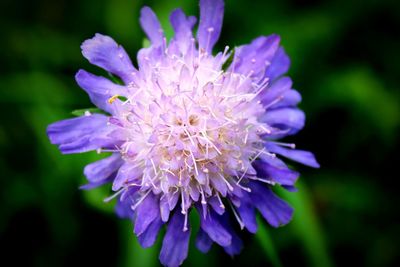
(194, 162)
(185, 228)
(108, 199)
(246, 136)
(112, 99)
(133, 207)
(221, 205)
(154, 167)
(244, 188)
(236, 216)
(203, 198)
(277, 100)
(241, 177)
(267, 131)
(167, 170)
(108, 150)
(223, 55)
(256, 156)
(209, 141)
(183, 203)
(290, 145)
(272, 155)
(210, 30)
(263, 180)
(226, 181)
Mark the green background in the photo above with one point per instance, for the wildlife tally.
(345, 62)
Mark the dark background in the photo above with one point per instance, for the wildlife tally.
(345, 62)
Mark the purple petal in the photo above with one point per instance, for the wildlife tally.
(276, 90)
(203, 241)
(280, 94)
(290, 99)
(279, 65)
(290, 119)
(302, 156)
(212, 226)
(182, 26)
(256, 55)
(219, 184)
(149, 236)
(102, 169)
(99, 89)
(247, 213)
(282, 176)
(70, 129)
(211, 16)
(147, 59)
(276, 211)
(126, 174)
(164, 208)
(104, 52)
(146, 213)
(216, 205)
(175, 245)
(123, 209)
(236, 245)
(81, 134)
(151, 26)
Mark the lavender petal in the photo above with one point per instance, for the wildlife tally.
(211, 15)
(105, 53)
(175, 245)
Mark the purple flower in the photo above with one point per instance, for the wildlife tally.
(188, 133)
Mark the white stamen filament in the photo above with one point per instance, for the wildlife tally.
(241, 224)
(133, 207)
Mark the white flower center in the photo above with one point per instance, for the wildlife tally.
(192, 127)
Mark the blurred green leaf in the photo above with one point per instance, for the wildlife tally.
(362, 92)
(115, 79)
(134, 255)
(197, 258)
(121, 18)
(35, 88)
(306, 227)
(267, 243)
(95, 198)
(146, 43)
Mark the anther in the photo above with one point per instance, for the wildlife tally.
(112, 99)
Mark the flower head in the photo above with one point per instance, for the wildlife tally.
(189, 131)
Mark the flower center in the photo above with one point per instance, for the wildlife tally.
(193, 128)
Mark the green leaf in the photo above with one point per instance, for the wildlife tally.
(229, 61)
(266, 243)
(94, 197)
(115, 79)
(306, 226)
(367, 99)
(81, 112)
(146, 43)
(122, 98)
(133, 254)
(196, 258)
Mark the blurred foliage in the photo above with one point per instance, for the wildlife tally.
(345, 58)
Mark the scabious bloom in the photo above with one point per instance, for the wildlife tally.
(189, 132)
